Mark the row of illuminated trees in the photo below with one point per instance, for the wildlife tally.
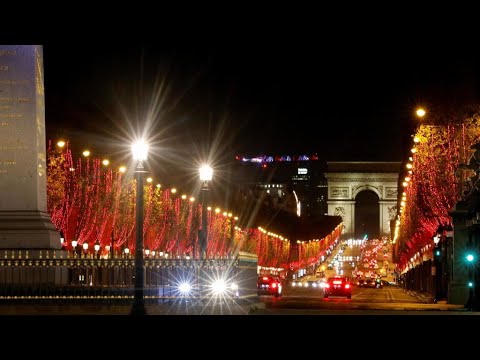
(93, 206)
(433, 182)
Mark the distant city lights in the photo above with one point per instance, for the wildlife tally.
(270, 159)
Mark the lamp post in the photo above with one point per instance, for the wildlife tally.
(74, 247)
(206, 174)
(97, 248)
(140, 153)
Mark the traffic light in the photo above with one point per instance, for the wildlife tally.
(438, 252)
(470, 257)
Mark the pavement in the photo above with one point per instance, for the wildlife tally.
(168, 308)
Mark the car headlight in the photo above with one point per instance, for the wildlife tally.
(184, 288)
(219, 286)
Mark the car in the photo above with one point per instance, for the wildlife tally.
(269, 285)
(312, 284)
(338, 286)
(370, 283)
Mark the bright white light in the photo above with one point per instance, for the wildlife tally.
(140, 150)
(299, 205)
(184, 288)
(234, 286)
(420, 112)
(219, 286)
(206, 173)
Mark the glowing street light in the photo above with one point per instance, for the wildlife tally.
(420, 112)
(96, 248)
(85, 248)
(140, 153)
(74, 247)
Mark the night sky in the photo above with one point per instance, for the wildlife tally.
(346, 98)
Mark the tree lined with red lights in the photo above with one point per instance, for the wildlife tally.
(92, 204)
(435, 184)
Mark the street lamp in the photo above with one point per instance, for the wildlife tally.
(140, 153)
(206, 174)
(97, 248)
(85, 247)
(74, 247)
(420, 112)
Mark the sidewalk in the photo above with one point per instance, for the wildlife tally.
(427, 298)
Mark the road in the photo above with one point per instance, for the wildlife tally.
(391, 299)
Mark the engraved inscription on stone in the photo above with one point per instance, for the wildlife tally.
(339, 192)
(24, 220)
(22, 128)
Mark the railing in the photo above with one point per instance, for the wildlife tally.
(59, 278)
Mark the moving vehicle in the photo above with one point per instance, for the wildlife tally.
(269, 285)
(338, 286)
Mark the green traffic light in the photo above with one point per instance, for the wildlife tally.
(470, 257)
(437, 252)
(470, 284)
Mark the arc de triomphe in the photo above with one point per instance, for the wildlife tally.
(347, 179)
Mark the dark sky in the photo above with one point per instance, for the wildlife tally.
(345, 97)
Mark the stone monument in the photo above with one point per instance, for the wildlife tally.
(24, 220)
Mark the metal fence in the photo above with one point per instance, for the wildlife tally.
(112, 280)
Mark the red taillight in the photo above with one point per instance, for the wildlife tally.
(273, 285)
(347, 286)
(265, 278)
(337, 282)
